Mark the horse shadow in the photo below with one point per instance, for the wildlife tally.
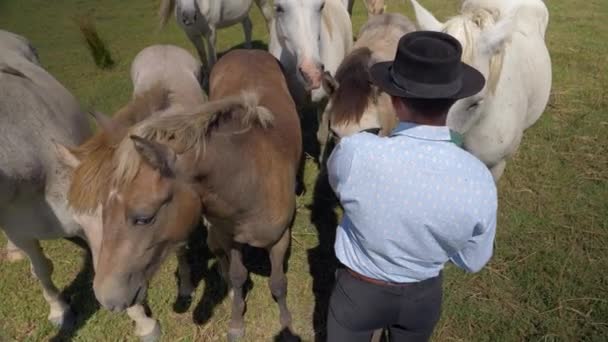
(79, 294)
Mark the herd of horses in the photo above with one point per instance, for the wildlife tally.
(136, 188)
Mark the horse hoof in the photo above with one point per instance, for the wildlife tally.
(235, 334)
(65, 321)
(182, 304)
(14, 256)
(153, 336)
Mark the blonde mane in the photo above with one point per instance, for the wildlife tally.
(187, 130)
(464, 24)
(89, 185)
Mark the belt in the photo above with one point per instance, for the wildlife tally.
(376, 281)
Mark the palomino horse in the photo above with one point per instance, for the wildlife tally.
(165, 81)
(504, 40)
(35, 109)
(202, 18)
(355, 103)
(373, 7)
(233, 160)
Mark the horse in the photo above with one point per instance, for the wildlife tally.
(165, 82)
(373, 7)
(505, 41)
(355, 104)
(35, 109)
(202, 18)
(233, 160)
(309, 37)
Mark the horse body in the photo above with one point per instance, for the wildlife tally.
(233, 160)
(355, 104)
(35, 109)
(505, 41)
(202, 18)
(173, 67)
(165, 82)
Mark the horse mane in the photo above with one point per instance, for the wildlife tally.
(89, 185)
(188, 130)
(474, 16)
(352, 96)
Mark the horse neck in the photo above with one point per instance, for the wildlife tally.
(227, 176)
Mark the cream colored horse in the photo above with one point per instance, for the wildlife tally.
(355, 104)
(504, 40)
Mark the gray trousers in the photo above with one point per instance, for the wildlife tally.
(357, 308)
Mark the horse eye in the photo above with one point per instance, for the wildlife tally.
(322, 7)
(279, 9)
(143, 220)
(474, 105)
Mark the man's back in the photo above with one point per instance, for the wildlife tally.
(412, 201)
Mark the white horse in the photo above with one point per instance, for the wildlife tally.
(504, 40)
(202, 18)
(34, 109)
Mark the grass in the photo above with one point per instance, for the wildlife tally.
(546, 282)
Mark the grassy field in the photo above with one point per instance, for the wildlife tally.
(547, 281)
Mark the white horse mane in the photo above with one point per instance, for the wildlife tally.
(462, 27)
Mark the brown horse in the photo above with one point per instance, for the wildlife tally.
(233, 160)
(355, 103)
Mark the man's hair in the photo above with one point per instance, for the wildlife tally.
(428, 107)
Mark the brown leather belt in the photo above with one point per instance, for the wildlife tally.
(375, 281)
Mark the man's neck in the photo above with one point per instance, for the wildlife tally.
(427, 121)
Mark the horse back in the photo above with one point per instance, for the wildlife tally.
(258, 71)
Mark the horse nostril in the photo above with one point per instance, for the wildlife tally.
(322, 66)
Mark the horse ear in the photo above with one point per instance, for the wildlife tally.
(65, 155)
(424, 18)
(493, 39)
(112, 129)
(160, 157)
(329, 83)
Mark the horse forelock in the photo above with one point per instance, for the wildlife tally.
(90, 186)
(351, 98)
(186, 131)
(465, 27)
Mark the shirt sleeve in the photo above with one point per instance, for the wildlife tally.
(479, 249)
(339, 164)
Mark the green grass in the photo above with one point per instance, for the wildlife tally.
(546, 281)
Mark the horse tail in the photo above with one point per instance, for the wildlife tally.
(165, 10)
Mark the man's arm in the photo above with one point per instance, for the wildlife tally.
(478, 250)
(339, 164)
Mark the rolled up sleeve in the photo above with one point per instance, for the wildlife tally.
(340, 163)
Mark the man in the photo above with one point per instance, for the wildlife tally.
(412, 201)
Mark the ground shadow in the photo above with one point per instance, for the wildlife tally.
(79, 295)
(322, 259)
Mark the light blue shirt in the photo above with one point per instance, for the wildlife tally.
(412, 202)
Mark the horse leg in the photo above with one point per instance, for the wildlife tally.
(219, 245)
(498, 169)
(13, 253)
(238, 276)
(278, 280)
(266, 10)
(146, 328)
(247, 27)
(186, 288)
(323, 133)
(42, 268)
(211, 41)
(197, 41)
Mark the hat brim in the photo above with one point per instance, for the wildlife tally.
(472, 83)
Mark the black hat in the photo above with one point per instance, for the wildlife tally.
(427, 66)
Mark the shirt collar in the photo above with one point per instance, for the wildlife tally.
(425, 132)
